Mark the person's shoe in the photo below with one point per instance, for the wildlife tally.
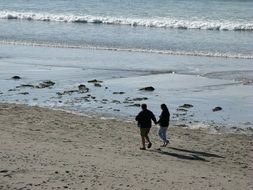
(149, 145)
(167, 142)
(142, 148)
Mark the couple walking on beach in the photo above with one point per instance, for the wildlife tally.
(145, 118)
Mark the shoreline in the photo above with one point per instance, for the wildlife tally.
(48, 149)
(133, 50)
(216, 128)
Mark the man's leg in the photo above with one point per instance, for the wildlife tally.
(147, 138)
(143, 142)
(142, 139)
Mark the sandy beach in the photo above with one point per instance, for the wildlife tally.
(48, 149)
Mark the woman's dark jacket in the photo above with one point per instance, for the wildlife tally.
(164, 119)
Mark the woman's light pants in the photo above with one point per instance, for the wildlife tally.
(162, 133)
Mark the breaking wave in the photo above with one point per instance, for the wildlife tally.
(169, 52)
(146, 22)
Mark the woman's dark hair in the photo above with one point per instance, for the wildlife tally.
(164, 107)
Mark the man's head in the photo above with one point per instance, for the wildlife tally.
(144, 106)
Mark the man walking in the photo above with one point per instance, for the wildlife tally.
(144, 123)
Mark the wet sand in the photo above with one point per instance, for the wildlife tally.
(48, 149)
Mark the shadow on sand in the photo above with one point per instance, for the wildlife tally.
(194, 155)
(198, 152)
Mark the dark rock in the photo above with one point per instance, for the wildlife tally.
(45, 84)
(248, 82)
(217, 108)
(1, 92)
(3, 171)
(7, 175)
(182, 125)
(24, 93)
(182, 109)
(12, 90)
(68, 92)
(118, 92)
(82, 88)
(16, 77)
(140, 99)
(148, 88)
(116, 101)
(97, 85)
(95, 81)
(128, 101)
(179, 114)
(134, 105)
(186, 106)
(60, 93)
(239, 129)
(116, 110)
(26, 86)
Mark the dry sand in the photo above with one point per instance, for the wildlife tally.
(47, 149)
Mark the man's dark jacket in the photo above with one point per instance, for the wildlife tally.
(144, 118)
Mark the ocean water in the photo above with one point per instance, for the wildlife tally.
(193, 27)
(192, 51)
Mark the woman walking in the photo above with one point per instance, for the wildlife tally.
(164, 124)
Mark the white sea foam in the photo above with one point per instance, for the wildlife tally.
(146, 22)
(169, 52)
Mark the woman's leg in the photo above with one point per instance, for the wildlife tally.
(165, 134)
(159, 132)
(166, 141)
(164, 129)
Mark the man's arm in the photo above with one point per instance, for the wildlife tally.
(137, 117)
(153, 118)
